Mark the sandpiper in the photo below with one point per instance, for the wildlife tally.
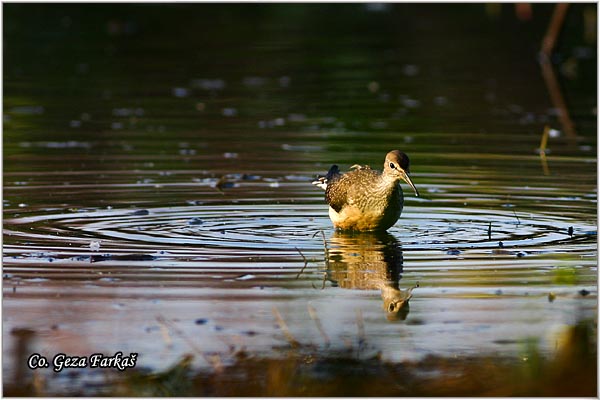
(365, 199)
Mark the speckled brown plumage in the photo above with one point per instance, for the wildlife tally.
(365, 199)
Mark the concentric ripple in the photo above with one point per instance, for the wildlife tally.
(273, 230)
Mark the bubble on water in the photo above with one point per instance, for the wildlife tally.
(384, 97)
(409, 102)
(298, 178)
(180, 92)
(284, 81)
(554, 133)
(208, 84)
(95, 245)
(254, 81)
(440, 101)
(230, 155)
(229, 112)
(410, 70)
(245, 277)
(379, 124)
(127, 112)
(296, 117)
(187, 152)
(373, 87)
(377, 7)
(27, 110)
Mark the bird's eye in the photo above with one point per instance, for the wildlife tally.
(392, 166)
(392, 307)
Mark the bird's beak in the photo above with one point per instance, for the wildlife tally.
(407, 179)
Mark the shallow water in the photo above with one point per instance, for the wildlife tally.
(176, 214)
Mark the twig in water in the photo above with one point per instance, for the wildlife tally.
(164, 330)
(558, 17)
(544, 142)
(490, 231)
(543, 145)
(214, 361)
(284, 328)
(547, 48)
(326, 250)
(360, 323)
(324, 246)
(305, 263)
(516, 216)
(220, 184)
(313, 314)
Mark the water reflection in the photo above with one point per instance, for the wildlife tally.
(367, 261)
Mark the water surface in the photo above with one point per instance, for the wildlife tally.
(157, 194)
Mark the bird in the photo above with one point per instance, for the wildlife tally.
(364, 199)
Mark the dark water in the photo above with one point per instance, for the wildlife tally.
(157, 169)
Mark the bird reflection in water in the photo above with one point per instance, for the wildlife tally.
(367, 261)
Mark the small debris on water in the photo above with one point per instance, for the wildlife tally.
(195, 221)
(95, 245)
(571, 231)
(551, 297)
(453, 252)
(201, 321)
(248, 177)
(373, 86)
(223, 184)
(121, 257)
(521, 254)
(140, 212)
(584, 292)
